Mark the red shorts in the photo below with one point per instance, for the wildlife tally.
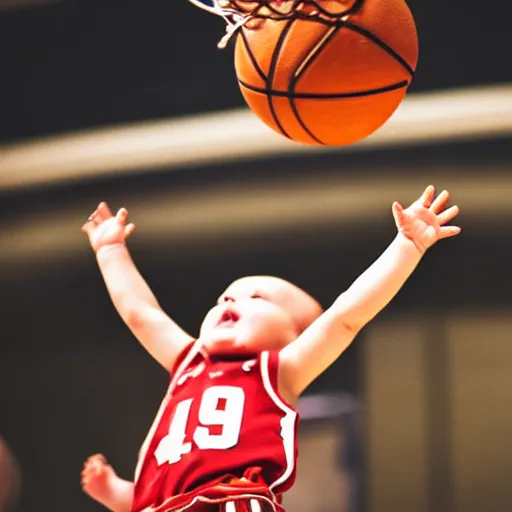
(226, 494)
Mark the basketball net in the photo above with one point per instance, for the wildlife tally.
(237, 13)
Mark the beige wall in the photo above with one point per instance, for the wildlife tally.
(481, 386)
(320, 486)
(395, 419)
(440, 425)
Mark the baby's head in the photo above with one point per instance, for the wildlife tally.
(258, 313)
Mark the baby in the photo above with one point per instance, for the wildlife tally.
(225, 437)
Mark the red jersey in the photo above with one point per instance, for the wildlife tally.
(220, 417)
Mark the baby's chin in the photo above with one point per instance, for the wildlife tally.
(227, 345)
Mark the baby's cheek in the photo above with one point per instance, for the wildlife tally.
(208, 321)
(204, 326)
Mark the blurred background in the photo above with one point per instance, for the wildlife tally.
(132, 103)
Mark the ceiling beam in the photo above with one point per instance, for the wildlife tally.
(237, 136)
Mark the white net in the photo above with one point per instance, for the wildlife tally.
(239, 13)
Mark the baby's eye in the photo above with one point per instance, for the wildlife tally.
(256, 296)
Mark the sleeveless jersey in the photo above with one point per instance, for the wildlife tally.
(222, 418)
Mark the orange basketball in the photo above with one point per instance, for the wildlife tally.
(319, 76)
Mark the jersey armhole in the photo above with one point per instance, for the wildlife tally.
(269, 367)
(183, 354)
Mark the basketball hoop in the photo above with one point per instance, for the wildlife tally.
(237, 13)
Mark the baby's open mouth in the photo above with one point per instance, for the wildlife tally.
(228, 318)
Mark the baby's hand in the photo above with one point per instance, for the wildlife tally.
(425, 221)
(103, 228)
(97, 477)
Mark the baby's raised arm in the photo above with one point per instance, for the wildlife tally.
(419, 227)
(130, 294)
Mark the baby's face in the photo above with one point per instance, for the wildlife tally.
(256, 314)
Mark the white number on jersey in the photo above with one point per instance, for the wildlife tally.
(172, 447)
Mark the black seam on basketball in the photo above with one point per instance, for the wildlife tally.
(306, 62)
(374, 39)
(272, 72)
(252, 56)
(326, 96)
(303, 125)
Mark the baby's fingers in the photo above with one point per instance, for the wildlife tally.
(97, 217)
(99, 457)
(86, 228)
(448, 215)
(95, 460)
(122, 216)
(88, 470)
(440, 201)
(448, 231)
(398, 212)
(103, 211)
(428, 196)
(128, 230)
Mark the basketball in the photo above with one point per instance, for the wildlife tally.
(329, 73)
